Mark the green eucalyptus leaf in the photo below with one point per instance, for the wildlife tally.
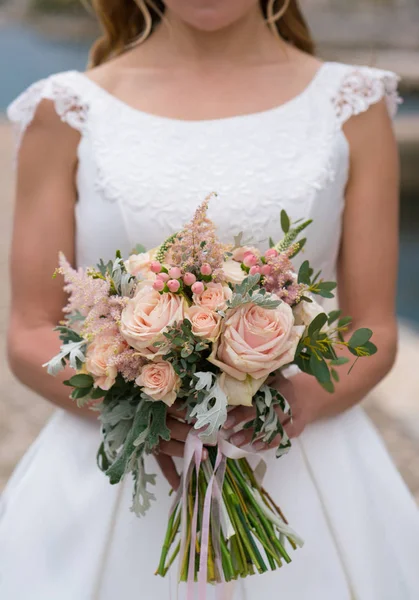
(360, 337)
(81, 381)
(328, 386)
(333, 316)
(335, 375)
(344, 321)
(317, 323)
(342, 360)
(320, 369)
(79, 393)
(370, 348)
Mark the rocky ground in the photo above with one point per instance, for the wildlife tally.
(394, 406)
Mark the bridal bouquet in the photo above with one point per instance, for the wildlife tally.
(200, 326)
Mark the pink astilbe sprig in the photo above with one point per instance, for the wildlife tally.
(282, 279)
(197, 245)
(129, 363)
(84, 291)
(103, 316)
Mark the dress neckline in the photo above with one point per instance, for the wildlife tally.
(223, 120)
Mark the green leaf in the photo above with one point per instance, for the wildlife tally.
(333, 316)
(271, 243)
(327, 285)
(157, 427)
(370, 347)
(78, 393)
(139, 249)
(97, 393)
(317, 323)
(81, 381)
(344, 321)
(335, 375)
(320, 369)
(328, 386)
(342, 360)
(285, 221)
(360, 337)
(304, 273)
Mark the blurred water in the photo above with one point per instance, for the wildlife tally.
(26, 56)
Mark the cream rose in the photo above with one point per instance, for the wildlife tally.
(147, 315)
(255, 341)
(98, 358)
(159, 381)
(238, 253)
(233, 271)
(214, 297)
(139, 265)
(306, 312)
(205, 322)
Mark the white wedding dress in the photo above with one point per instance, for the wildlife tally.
(65, 533)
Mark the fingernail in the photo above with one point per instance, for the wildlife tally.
(259, 446)
(238, 439)
(230, 422)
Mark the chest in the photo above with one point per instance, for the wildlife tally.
(141, 177)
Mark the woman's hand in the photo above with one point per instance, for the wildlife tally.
(240, 414)
(175, 447)
(293, 427)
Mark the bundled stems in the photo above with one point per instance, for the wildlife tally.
(254, 543)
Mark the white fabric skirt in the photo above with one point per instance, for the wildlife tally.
(66, 534)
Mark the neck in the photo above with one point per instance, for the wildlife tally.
(248, 39)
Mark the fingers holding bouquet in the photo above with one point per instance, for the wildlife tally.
(293, 421)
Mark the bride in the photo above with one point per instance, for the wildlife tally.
(182, 98)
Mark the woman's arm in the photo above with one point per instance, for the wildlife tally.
(367, 267)
(43, 225)
(367, 272)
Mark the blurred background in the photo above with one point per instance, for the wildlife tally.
(40, 37)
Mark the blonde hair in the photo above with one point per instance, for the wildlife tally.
(129, 22)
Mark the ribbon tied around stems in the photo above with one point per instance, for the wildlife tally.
(213, 508)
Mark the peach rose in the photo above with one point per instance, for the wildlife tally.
(214, 297)
(205, 322)
(139, 265)
(233, 271)
(238, 253)
(98, 358)
(255, 342)
(159, 381)
(147, 315)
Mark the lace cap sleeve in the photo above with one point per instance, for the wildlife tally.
(360, 87)
(62, 90)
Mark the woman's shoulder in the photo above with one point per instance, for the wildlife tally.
(64, 94)
(354, 88)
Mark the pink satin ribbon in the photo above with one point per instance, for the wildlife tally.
(212, 508)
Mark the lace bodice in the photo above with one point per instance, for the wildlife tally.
(140, 176)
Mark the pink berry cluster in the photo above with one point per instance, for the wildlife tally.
(173, 280)
(277, 271)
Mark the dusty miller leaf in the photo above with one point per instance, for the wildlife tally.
(141, 498)
(73, 352)
(211, 413)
